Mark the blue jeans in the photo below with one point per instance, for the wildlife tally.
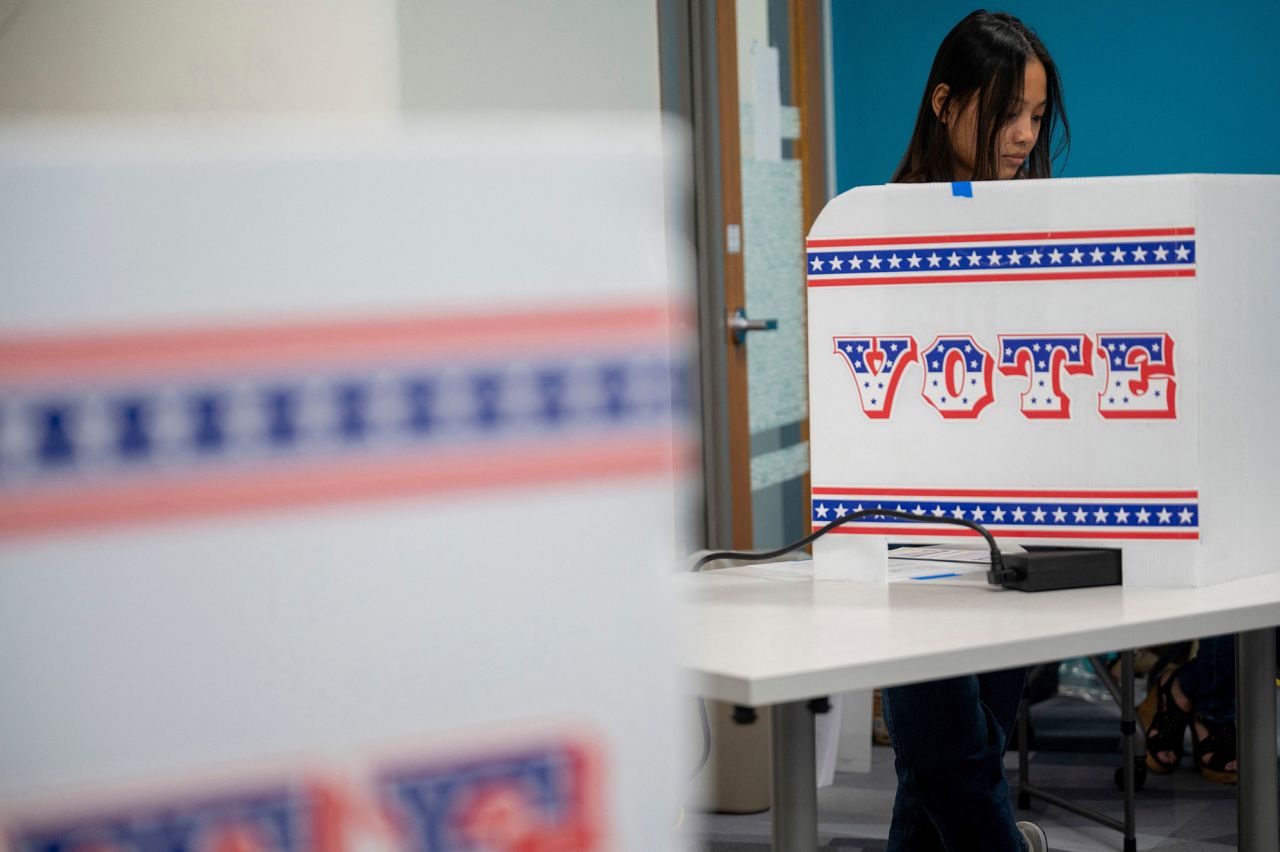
(949, 738)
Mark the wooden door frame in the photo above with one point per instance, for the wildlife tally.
(808, 92)
(698, 43)
(807, 47)
(733, 281)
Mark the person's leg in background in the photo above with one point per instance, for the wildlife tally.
(949, 738)
(1208, 685)
(1201, 694)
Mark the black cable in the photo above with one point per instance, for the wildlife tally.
(996, 574)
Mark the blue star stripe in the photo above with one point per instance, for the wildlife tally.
(52, 435)
(420, 397)
(54, 423)
(613, 377)
(133, 427)
(1126, 515)
(551, 391)
(352, 401)
(207, 412)
(280, 404)
(1010, 258)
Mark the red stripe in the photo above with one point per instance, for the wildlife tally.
(34, 513)
(35, 357)
(982, 277)
(1131, 414)
(991, 492)
(899, 532)
(983, 238)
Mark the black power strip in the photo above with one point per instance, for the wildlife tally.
(1040, 569)
(1046, 569)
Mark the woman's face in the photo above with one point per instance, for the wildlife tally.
(1017, 137)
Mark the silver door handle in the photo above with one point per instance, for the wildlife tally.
(739, 325)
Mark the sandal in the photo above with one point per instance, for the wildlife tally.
(1164, 723)
(1213, 751)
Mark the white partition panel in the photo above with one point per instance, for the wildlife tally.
(337, 487)
(1067, 362)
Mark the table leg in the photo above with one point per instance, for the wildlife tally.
(1256, 720)
(1129, 724)
(795, 779)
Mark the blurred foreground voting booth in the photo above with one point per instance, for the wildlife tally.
(1069, 362)
(338, 482)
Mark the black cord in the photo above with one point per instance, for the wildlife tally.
(997, 573)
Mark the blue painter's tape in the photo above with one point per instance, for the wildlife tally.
(962, 189)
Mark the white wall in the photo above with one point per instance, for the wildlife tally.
(70, 57)
(529, 54)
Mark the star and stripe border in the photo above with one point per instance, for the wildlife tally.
(1026, 256)
(1116, 514)
(105, 429)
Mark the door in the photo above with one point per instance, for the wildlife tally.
(748, 76)
(777, 65)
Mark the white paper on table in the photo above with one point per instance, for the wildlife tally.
(942, 554)
(935, 570)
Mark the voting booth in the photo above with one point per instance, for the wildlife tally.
(1068, 362)
(338, 483)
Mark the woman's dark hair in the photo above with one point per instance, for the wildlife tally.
(984, 55)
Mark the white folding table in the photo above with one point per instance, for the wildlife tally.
(770, 635)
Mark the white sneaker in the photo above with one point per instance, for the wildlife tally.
(1034, 836)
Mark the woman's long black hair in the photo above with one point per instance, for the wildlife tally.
(985, 55)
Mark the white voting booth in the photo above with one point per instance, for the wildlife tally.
(337, 486)
(1071, 362)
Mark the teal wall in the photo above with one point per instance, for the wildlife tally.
(1150, 87)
